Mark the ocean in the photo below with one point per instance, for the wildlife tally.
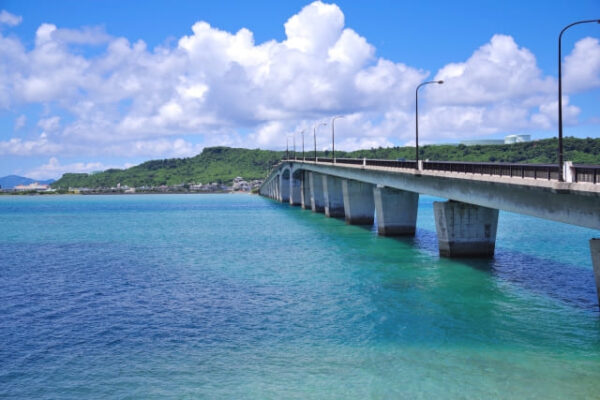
(241, 297)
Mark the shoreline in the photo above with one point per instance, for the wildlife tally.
(119, 194)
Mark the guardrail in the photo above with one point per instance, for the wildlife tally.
(353, 161)
(391, 163)
(535, 171)
(581, 172)
(586, 173)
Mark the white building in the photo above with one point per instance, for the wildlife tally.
(510, 139)
(31, 186)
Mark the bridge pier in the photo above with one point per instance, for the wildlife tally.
(272, 189)
(295, 191)
(359, 207)
(595, 250)
(286, 186)
(316, 192)
(278, 190)
(465, 230)
(333, 196)
(396, 211)
(305, 191)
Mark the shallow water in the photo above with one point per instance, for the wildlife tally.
(234, 296)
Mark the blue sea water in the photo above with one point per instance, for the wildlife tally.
(241, 297)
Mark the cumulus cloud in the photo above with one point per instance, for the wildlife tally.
(499, 88)
(128, 99)
(9, 19)
(19, 147)
(497, 71)
(582, 66)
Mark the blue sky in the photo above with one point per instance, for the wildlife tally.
(89, 85)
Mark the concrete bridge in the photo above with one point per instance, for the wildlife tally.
(359, 189)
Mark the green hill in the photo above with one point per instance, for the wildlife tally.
(584, 151)
(214, 164)
(222, 164)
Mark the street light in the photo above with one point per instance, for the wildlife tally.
(287, 152)
(417, 119)
(560, 124)
(315, 136)
(294, 145)
(302, 133)
(333, 135)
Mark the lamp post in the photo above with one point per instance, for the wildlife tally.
(302, 133)
(333, 135)
(560, 123)
(294, 145)
(287, 152)
(417, 119)
(315, 136)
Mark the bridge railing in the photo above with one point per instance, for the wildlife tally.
(353, 161)
(535, 171)
(586, 173)
(325, 159)
(391, 163)
(581, 172)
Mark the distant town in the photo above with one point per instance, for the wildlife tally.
(239, 184)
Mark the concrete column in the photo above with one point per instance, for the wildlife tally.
(278, 188)
(305, 190)
(396, 211)
(359, 207)
(316, 192)
(595, 249)
(285, 186)
(333, 196)
(465, 230)
(295, 191)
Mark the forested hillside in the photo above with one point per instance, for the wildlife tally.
(222, 164)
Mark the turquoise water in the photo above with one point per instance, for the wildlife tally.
(240, 297)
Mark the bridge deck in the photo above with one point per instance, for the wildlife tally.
(576, 203)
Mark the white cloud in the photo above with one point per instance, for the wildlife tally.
(497, 71)
(270, 133)
(49, 124)
(19, 147)
(131, 100)
(582, 66)
(53, 169)
(149, 148)
(84, 36)
(315, 28)
(20, 122)
(547, 116)
(9, 19)
(499, 89)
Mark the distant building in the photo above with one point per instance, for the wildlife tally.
(31, 186)
(240, 184)
(482, 142)
(510, 139)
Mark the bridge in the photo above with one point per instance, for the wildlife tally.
(358, 189)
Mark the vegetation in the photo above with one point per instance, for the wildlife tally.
(214, 164)
(584, 151)
(222, 164)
